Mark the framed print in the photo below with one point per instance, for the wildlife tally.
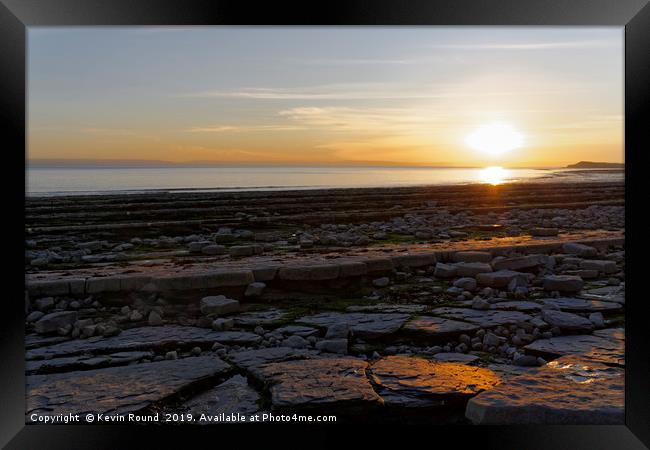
(357, 216)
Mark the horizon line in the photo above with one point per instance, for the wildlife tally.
(139, 163)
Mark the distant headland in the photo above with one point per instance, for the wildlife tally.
(595, 165)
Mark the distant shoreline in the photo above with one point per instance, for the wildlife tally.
(596, 165)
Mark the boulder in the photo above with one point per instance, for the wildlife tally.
(255, 289)
(219, 305)
(604, 266)
(381, 282)
(445, 270)
(213, 249)
(573, 248)
(466, 283)
(339, 346)
(50, 323)
(472, 269)
(472, 256)
(562, 283)
(498, 279)
(518, 263)
(544, 232)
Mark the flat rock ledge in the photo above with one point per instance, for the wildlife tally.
(117, 390)
(233, 396)
(336, 383)
(144, 338)
(438, 327)
(405, 381)
(309, 270)
(568, 391)
(366, 326)
(606, 346)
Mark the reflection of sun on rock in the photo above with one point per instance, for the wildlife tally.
(606, 346)
(418, 382)
(569, 390)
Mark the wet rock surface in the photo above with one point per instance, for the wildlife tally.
(606, 348)
(331, 382)
(217, 303)
(117, 389)
(417, 382)
(567, 391)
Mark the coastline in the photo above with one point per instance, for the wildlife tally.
(548, 175)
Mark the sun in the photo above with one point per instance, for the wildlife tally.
(495, 138)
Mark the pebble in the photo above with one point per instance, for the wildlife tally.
(34, 316)
(255, 289)
(338, 331)
(154, 319)
(222, 324)
(296, 341)
(381, 282)
(480, 304)
(465, 283)
(525, 361)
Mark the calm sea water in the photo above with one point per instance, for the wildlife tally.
(68, 181)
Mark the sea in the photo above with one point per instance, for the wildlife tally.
(57, 181)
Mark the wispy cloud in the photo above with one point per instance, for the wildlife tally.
(352, 91)
(371, 120)
(529, 45)
(241, 129)
(111, 131)
(600, 122)
(376, 91)
(355, 61)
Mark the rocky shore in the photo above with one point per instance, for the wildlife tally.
(449, 304)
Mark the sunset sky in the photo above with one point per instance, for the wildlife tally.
(325, 95)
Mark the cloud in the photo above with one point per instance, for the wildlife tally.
(530, 45)
(240, 129)
(600, 122)
(392, 91)
(356, 61)
(349, 91)
(357, 119)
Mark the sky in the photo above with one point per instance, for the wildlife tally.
(325, 95)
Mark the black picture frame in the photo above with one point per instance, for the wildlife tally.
(17, 15)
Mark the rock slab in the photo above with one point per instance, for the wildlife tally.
(417, 382)
(117, 390)
(567, 391)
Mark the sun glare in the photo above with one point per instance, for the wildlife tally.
(495, 139)
(493, 175)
